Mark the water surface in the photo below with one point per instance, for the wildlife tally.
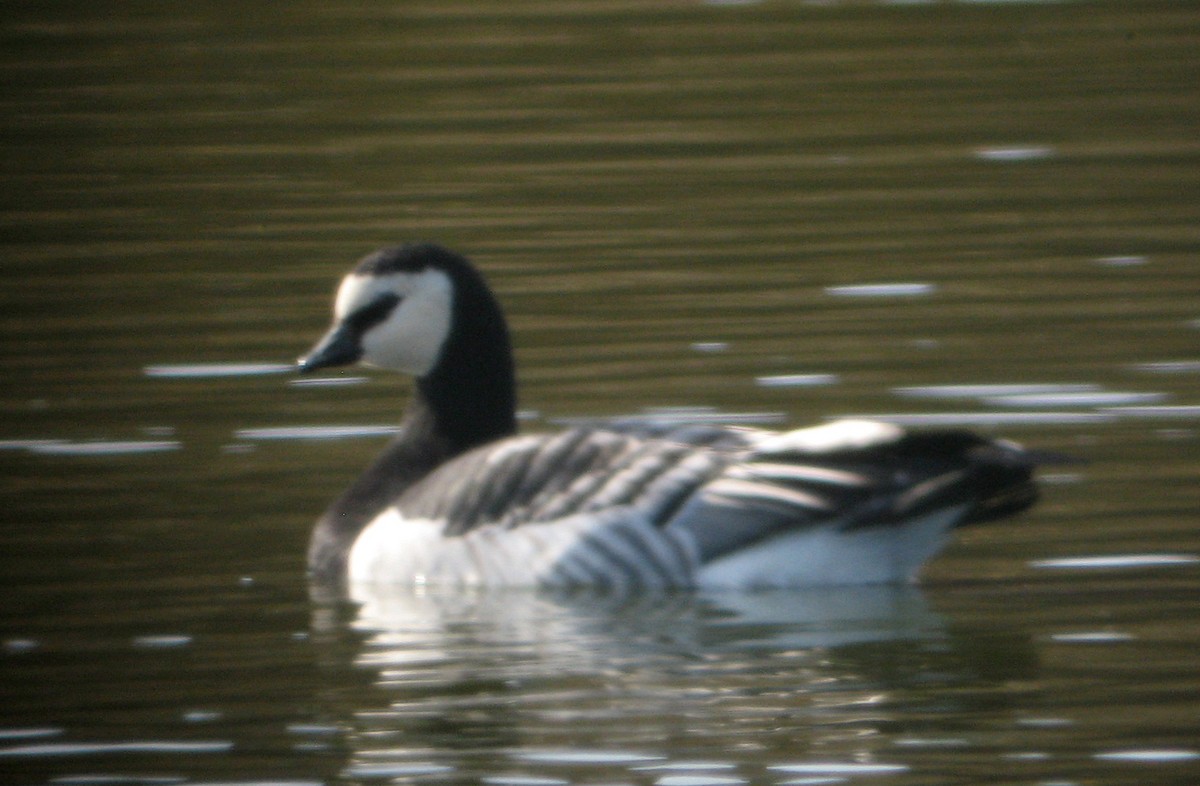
(764, 213)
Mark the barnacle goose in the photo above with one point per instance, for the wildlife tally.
(459, 498)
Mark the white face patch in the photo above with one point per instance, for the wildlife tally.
(411, 338)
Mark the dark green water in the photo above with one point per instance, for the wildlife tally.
(671, 199)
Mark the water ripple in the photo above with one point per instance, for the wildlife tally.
(19, 646)
(1150, 756)
(327, 382)
(663, 416)
(796, 380)
(30, 733)
(125, 780)
(900, 289)
(103, 448)
(522, 780)
(1117, 561)
(1092, 637)
(1169, 367)
(840, 768)
(584, 756)
(1013, 154)
(162, 641)
(1182, 411)
(401, 770)
(165, 747)
(315, 432)
(1122, 261)
(210, 370)
(984, 390)
(699, 780)
(1096, 399)
(986, 418)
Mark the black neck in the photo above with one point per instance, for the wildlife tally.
(470, 396)
(471, 392)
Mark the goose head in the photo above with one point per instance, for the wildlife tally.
(426, 311)
(394, 310)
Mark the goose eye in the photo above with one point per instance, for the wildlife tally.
(370, 315)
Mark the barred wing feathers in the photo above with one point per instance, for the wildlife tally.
(880, 482)
(606, 507)
(538, 479)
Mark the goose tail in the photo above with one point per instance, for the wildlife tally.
(866, 501)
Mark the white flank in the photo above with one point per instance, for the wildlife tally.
(615, 547)
(830, 555)
(591, 549)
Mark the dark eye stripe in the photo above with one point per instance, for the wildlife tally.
(370, 315)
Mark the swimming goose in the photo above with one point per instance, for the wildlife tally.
(459, 498)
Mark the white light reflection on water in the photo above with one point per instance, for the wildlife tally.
(388, 770)
(899, 289)
(676, 416)
(103, 448)
(162, 641)
(983, 418)
(840, 768)
(202, 716)
(214, 370)
(29, 734)
(679, 766)
(523, 780)
(540, 658)
(1169, 367)
(985, 390)
(1045, 723)
(1097, 399)
(327, 382)
(162, 747)
(545, 660)
(699, 780)
(796, 380)
(1026, 756)
(314, 432)
(138, 780)
(19, 646)
(28, 444)
(1117, 561)
(1038, 395)
(1150, 756)
(1122, 261)
(560, 625)
(936, 742)
(1029, 418)
(1016, 154)
(584, 756)
(1182, 412)
(1092, 637)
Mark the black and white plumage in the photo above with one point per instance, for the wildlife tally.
(459, 498)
